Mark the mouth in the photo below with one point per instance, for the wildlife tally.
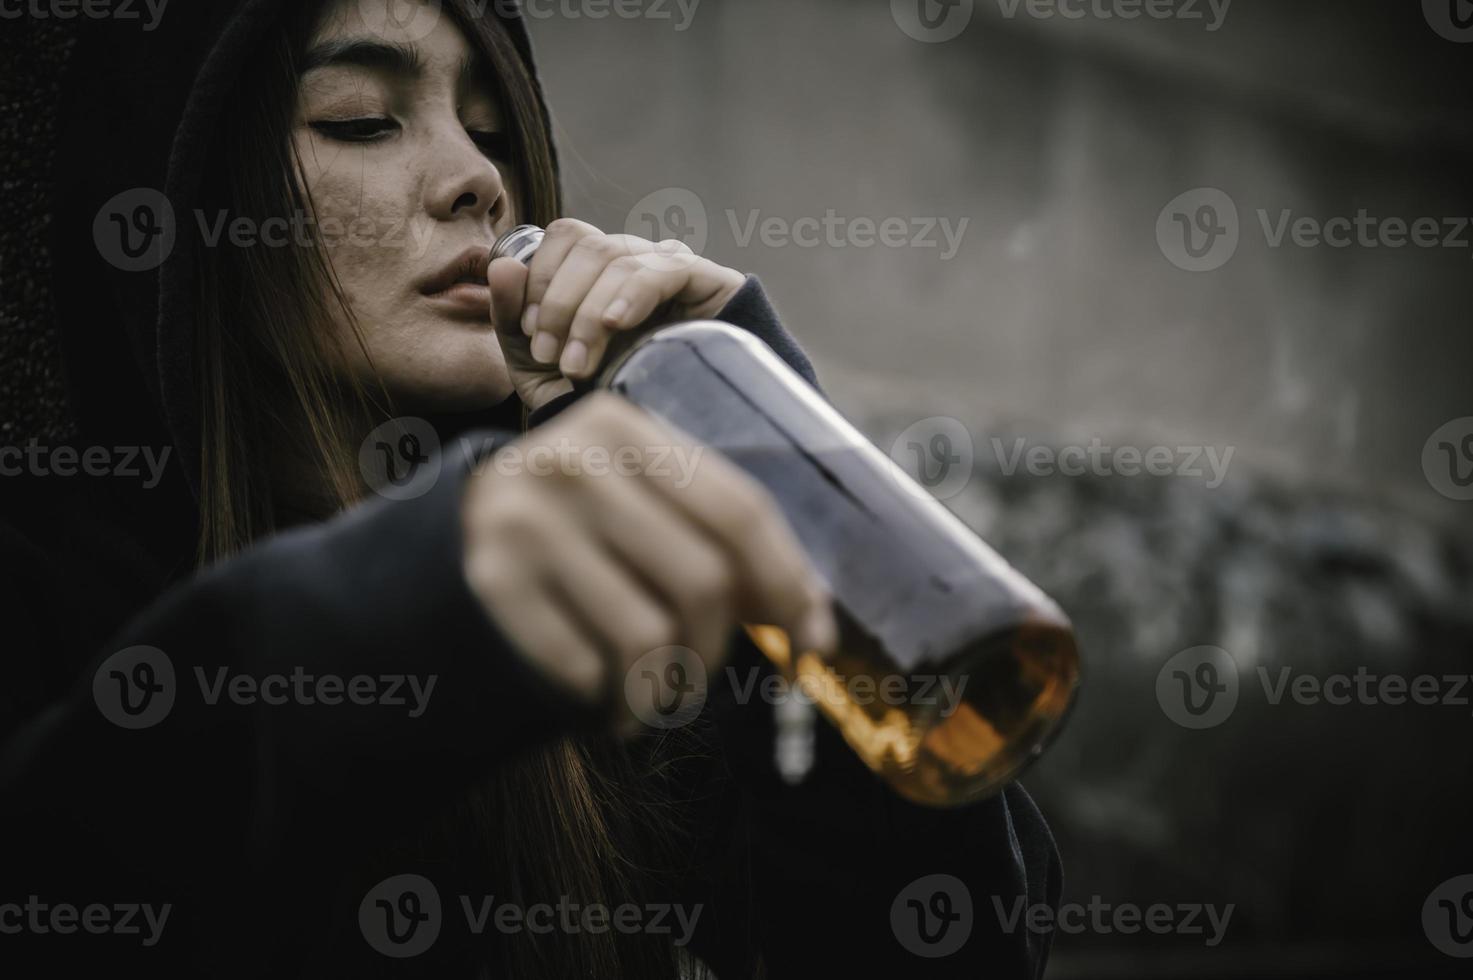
(461, 283)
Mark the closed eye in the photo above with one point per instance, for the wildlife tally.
(494, 145)
(369, 129)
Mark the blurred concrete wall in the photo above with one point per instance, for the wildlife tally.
(1059, 142)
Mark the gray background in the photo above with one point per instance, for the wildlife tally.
(1061, 141)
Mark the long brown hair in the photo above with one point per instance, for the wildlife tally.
(268, 361)
(559, 821)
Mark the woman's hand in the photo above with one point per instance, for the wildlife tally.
(555, 318)
(633, 540)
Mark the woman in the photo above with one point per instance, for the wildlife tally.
(182, 735)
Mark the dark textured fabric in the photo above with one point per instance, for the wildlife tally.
(249, 821)
(221, 807)
(33, 403)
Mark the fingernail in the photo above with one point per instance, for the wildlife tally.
(544, 347)
(575, 357)
(529, 319)
(616, 311)
(819, 632)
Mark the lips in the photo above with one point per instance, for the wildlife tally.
(466, 269)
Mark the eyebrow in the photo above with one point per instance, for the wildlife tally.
(372, 53)
(400, 59)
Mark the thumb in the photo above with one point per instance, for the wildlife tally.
(535, 383)
(508, 281)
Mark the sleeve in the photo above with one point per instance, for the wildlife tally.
(751, 310)
(273, 718)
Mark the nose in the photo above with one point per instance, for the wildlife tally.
(461, 182)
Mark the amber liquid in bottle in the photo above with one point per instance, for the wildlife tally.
(953, 671)
(930, 748)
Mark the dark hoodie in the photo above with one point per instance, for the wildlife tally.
(246, 821)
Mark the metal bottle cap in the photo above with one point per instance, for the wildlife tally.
(521, 243)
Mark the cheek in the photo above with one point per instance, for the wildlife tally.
(362, 214)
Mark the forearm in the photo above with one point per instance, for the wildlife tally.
(391, 689)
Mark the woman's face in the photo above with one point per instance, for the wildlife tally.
(405, 158)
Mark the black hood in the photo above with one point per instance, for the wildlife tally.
(138, 112)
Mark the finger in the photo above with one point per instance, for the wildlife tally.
(629, 293)
(588, 338)
(558, 240)
(508, 281)
(583, 266)
(688, 572)
(776, 582)
(691, 285)
(618, 610)
(528, 613)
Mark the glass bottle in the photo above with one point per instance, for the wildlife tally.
(953, 671)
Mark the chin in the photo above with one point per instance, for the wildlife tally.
(463, 375)
(449, 395)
